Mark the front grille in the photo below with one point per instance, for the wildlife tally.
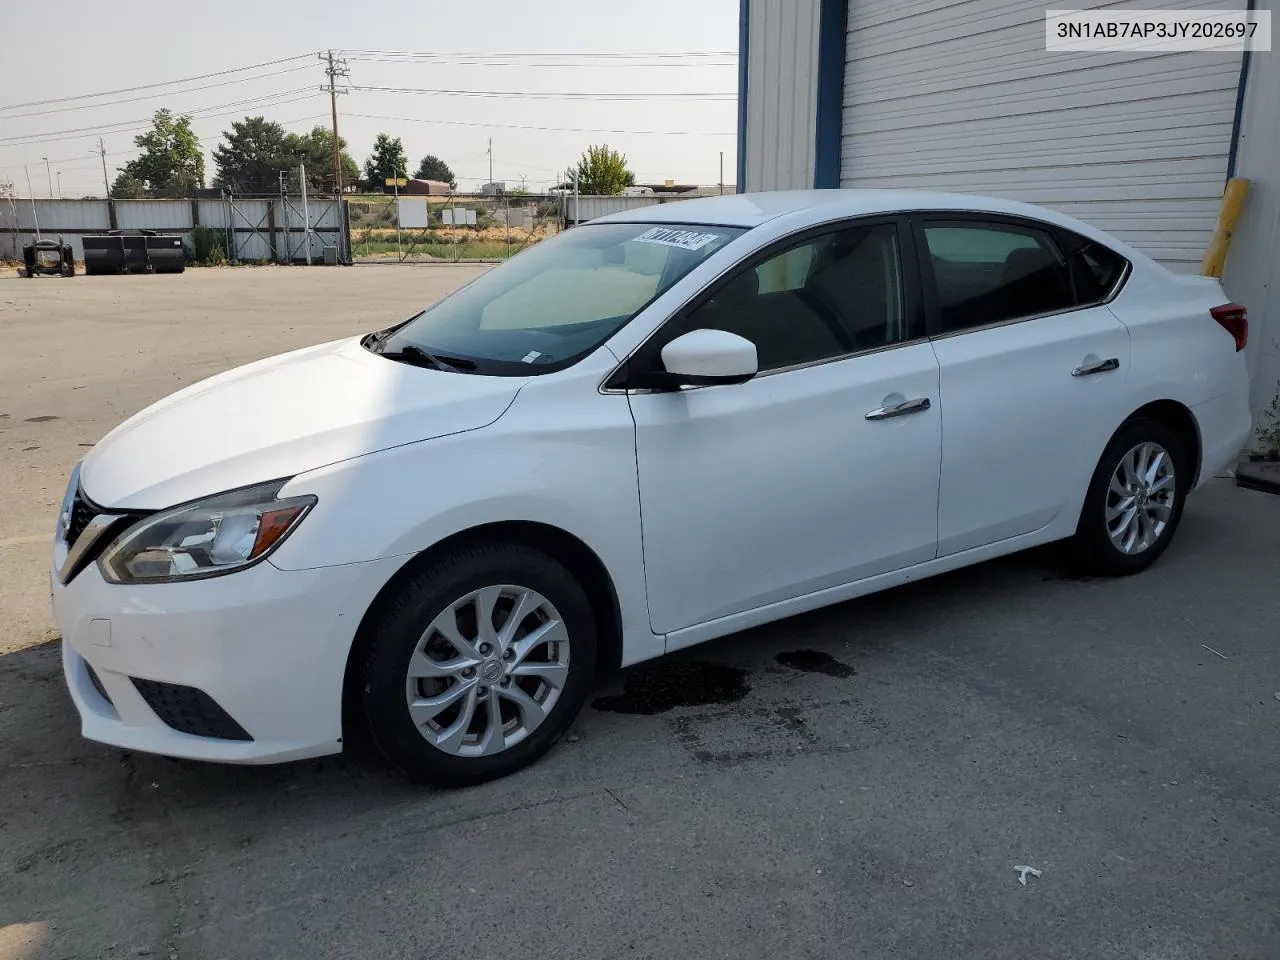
(97, 682)
(82, 511)
(189, 710)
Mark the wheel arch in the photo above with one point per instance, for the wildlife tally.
(1178, 418)
(559, 544)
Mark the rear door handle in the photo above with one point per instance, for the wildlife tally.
(1096, 366)
(899, 409)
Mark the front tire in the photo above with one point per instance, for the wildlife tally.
(477, 664)
(1135, 500)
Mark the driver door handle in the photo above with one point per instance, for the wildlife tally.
(1098, 366)
(899, 409)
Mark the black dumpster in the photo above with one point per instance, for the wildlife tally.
(135, 251)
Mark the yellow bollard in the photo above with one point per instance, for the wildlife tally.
(1215, 257)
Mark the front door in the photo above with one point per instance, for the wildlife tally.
(820, 471)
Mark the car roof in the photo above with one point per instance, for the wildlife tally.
(753, 209)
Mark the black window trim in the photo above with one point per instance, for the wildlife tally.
(912, 287)
(928, 282)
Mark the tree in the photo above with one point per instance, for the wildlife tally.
(602, 172)
(128, 187)
(386, 161)
(172, 163)
(316, 148)
(252, 154)
(433, 168)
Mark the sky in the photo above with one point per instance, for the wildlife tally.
(676, 60)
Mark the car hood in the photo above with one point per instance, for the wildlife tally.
(280, 417)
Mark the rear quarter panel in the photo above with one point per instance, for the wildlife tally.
(1181, 353)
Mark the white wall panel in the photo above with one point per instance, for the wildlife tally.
(1253, 263)
(961, 95)
(782, 93)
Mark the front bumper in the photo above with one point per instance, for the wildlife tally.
(269, 647)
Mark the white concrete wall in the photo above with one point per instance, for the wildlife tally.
(782, 93)
(1253, 263)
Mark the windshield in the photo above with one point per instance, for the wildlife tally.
(554, 303)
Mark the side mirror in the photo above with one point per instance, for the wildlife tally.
(708, 357)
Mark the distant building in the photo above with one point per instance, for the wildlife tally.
(493, 189)
(425, 188)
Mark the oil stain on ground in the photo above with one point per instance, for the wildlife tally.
(657, 687)
(815, 661)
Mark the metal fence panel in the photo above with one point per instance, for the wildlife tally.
(213, 213)
(584, 208)
(165, 216)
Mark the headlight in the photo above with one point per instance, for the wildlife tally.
(205, 539)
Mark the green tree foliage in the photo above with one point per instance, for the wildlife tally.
(317, 150)
(128, 187)
(172, 163)
(255, 151)
(602, 171)
(433, 168)
(387, 160)
(251, 156)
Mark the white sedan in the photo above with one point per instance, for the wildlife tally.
(655, 429)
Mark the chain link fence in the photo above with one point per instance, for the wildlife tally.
(449, 229)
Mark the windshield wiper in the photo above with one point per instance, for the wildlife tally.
(412, 353)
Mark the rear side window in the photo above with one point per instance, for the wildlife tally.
(1095, 269)
(990, 272)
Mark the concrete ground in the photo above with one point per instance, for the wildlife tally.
(865, 787)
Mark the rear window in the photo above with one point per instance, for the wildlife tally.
(1096, 270)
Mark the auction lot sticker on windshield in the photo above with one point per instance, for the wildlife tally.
(686, 239)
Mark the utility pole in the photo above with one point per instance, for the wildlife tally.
(575, 196)
(102, 152)
(48, 172)
(491, 160)
(335, 68)
(306, 214)
(722, 173)
(31, 194)
(59, 184)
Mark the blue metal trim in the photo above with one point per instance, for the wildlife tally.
(832, 25)
(1238, 121)
(744, 39)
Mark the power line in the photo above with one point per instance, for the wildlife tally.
(470, 62)
(595, 55)
(154, 96)
(152, 86)
(519, 126)
(548, 95)
(31, 139)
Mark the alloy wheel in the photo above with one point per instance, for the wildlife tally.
(1140, 498)
(487, 671)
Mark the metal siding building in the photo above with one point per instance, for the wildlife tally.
(961, 95)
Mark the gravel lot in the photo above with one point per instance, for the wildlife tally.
(862, 785)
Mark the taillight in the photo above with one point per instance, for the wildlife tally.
(1235, 320)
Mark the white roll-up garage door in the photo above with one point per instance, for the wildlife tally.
(962, 96)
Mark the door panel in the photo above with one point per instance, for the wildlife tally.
(1021, 434)
(774, 488)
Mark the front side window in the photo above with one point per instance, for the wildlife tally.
(827, 296)
(989, 272)
(556, 302)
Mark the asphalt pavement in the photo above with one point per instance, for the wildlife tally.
(857, 782)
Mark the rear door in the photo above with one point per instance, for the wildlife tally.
(1032, 373)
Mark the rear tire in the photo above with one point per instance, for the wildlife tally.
(1135, 500)
(453, 702)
